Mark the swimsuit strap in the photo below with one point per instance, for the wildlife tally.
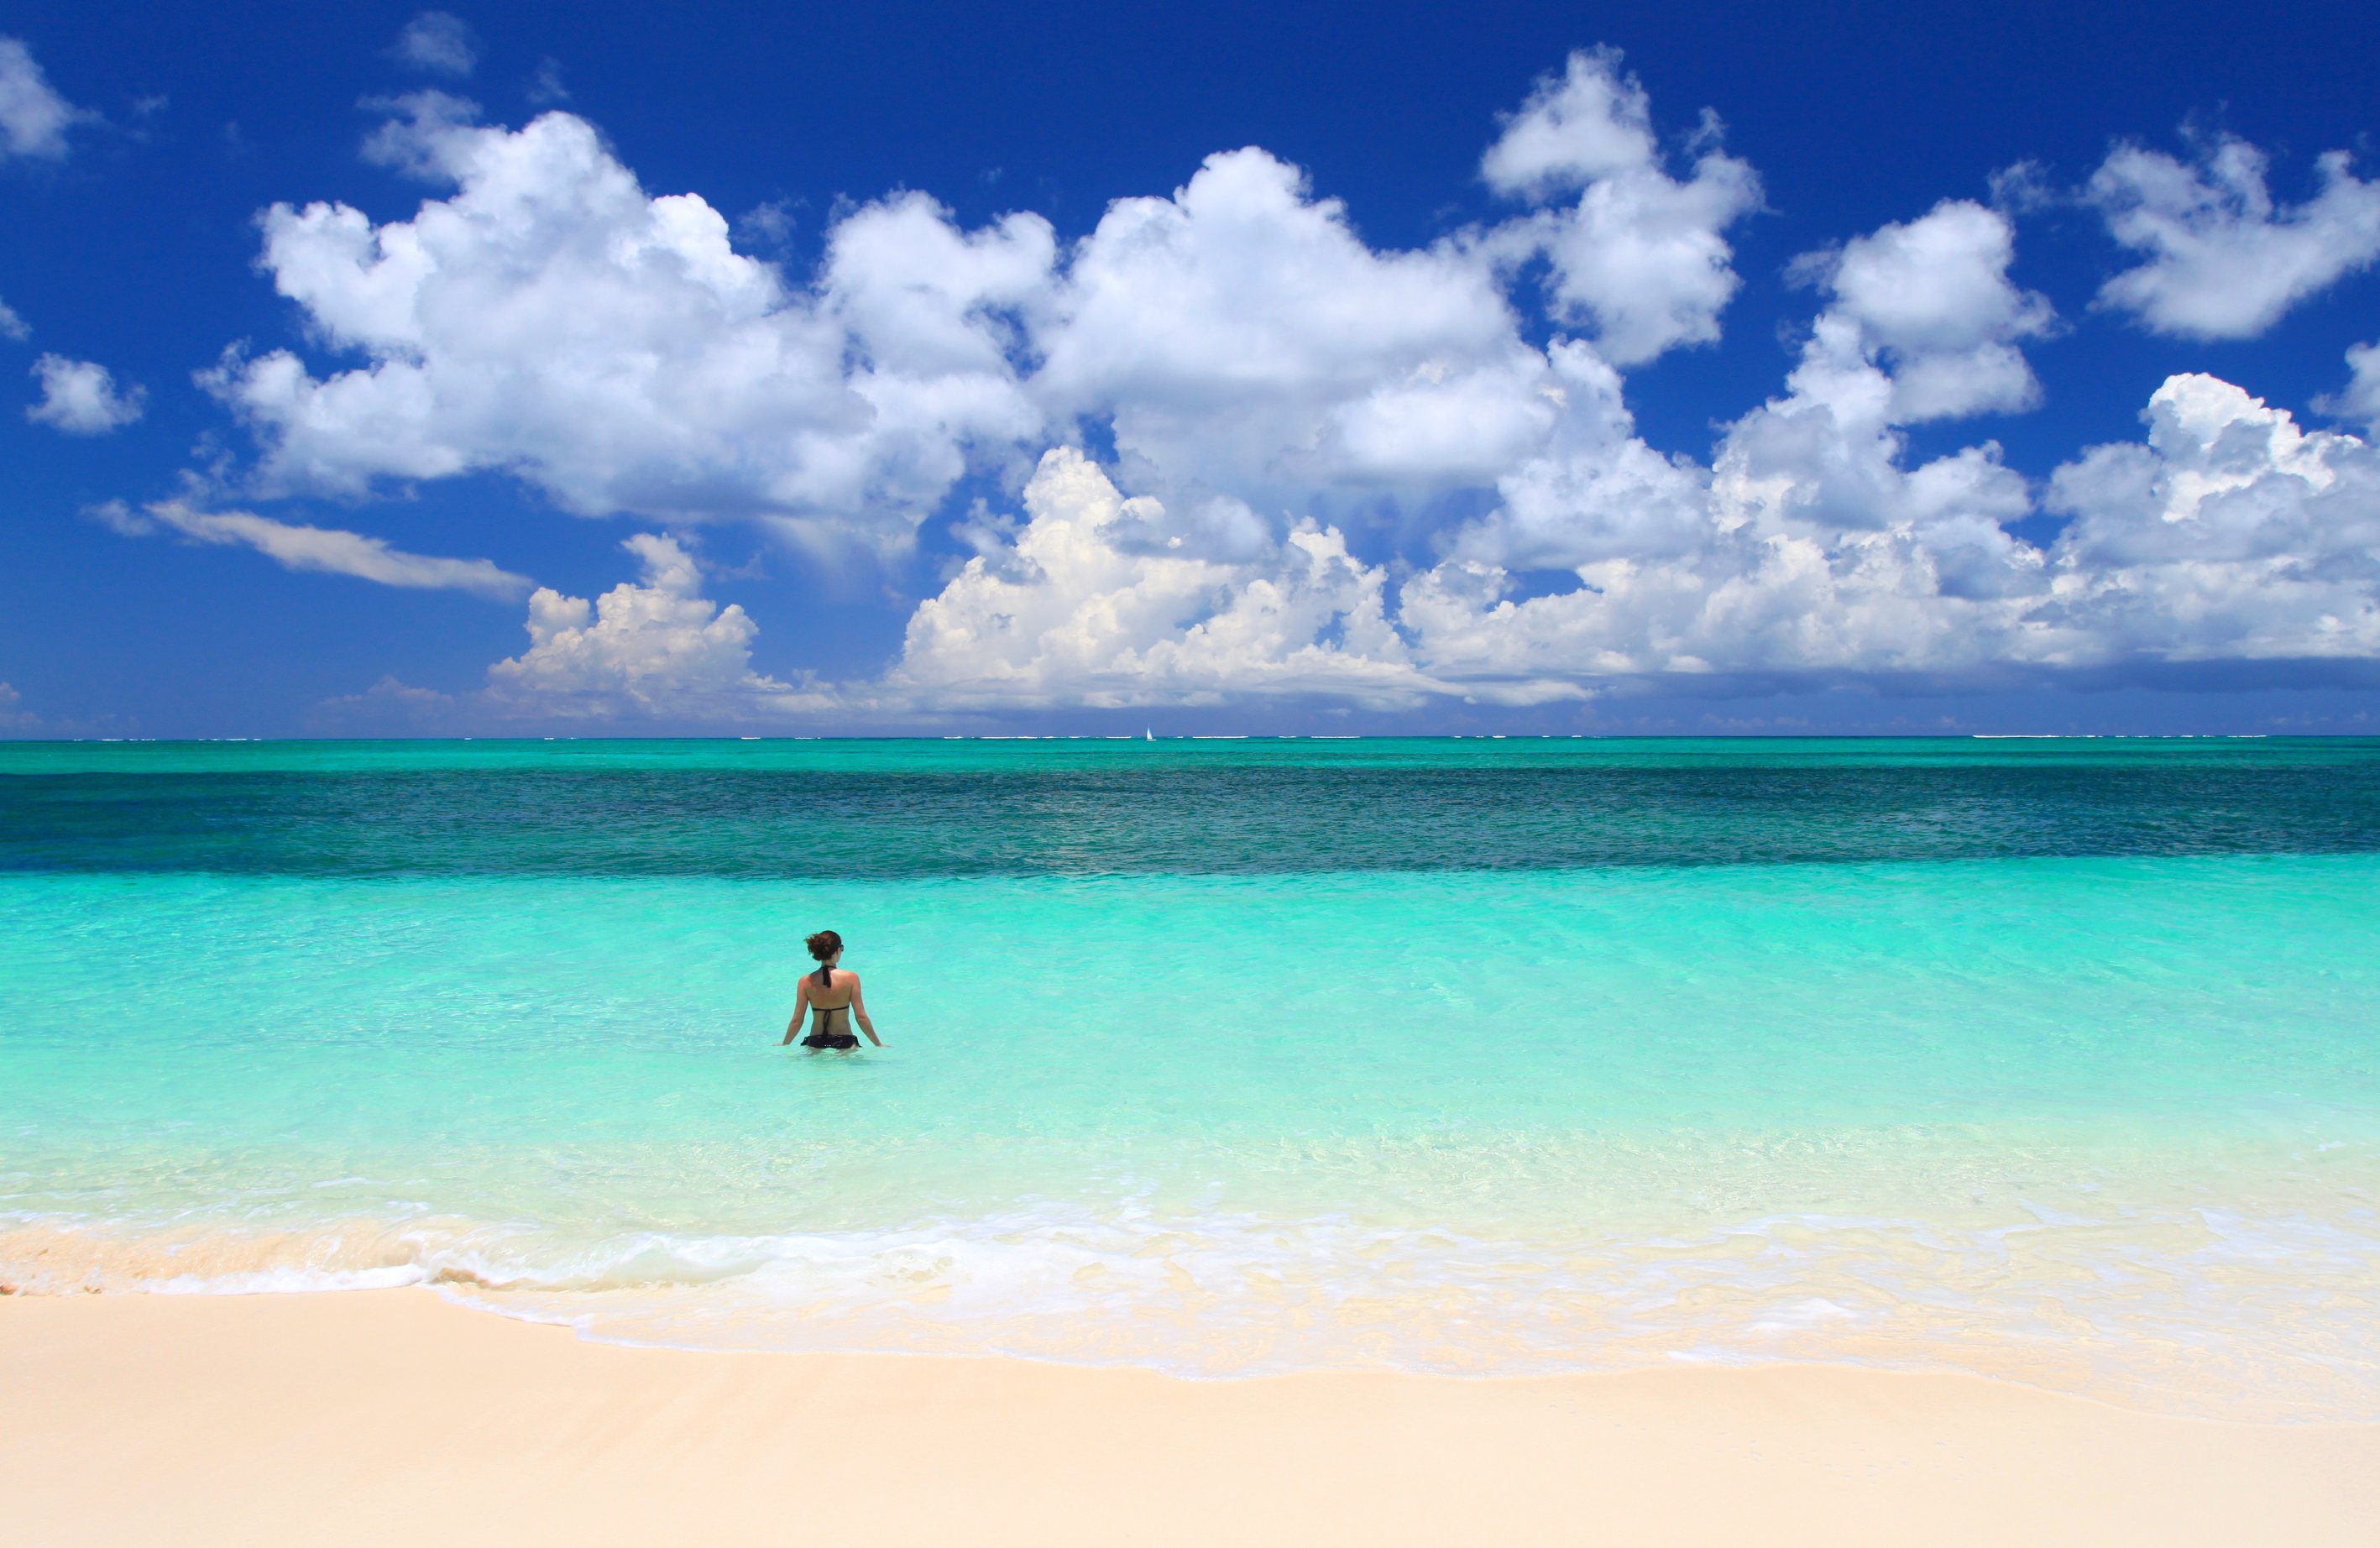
(825, 976)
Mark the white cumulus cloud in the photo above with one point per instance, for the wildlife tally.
(1925, 324)
(1241, 336)
(11, 326)
(1273, 384)
(1596, 491)
(1808, 545)
(552, 318)
(651, 646)
(33, 118)
(1096, 602)
(328, 550)
(2225, 260)
(1641, 257)
(1932, 298)
(2230, 532)
(439, 41)
(81, 398)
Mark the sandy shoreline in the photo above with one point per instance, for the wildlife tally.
(390, 1415)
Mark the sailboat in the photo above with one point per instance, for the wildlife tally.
(1147, 734)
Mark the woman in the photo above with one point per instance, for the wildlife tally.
(832, 995)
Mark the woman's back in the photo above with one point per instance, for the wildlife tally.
(830, 988)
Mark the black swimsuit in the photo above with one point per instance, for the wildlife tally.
(822, 1032)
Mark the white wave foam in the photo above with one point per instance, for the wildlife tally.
(2203, 1310)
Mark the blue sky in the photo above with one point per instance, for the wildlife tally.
(526, 369)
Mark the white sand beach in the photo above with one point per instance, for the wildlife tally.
(392, 1417)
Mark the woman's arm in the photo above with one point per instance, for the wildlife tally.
(859, 1014)
(801, 1003)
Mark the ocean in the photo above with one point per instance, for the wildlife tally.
(2056, 1060)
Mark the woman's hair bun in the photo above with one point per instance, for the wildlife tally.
(824, 944)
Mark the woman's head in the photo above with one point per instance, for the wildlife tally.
(824, 946)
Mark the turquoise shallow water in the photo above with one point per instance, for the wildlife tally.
(2051, 1061)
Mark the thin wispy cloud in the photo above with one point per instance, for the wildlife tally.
(328, 550)
(440, 42)
(34, 118)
